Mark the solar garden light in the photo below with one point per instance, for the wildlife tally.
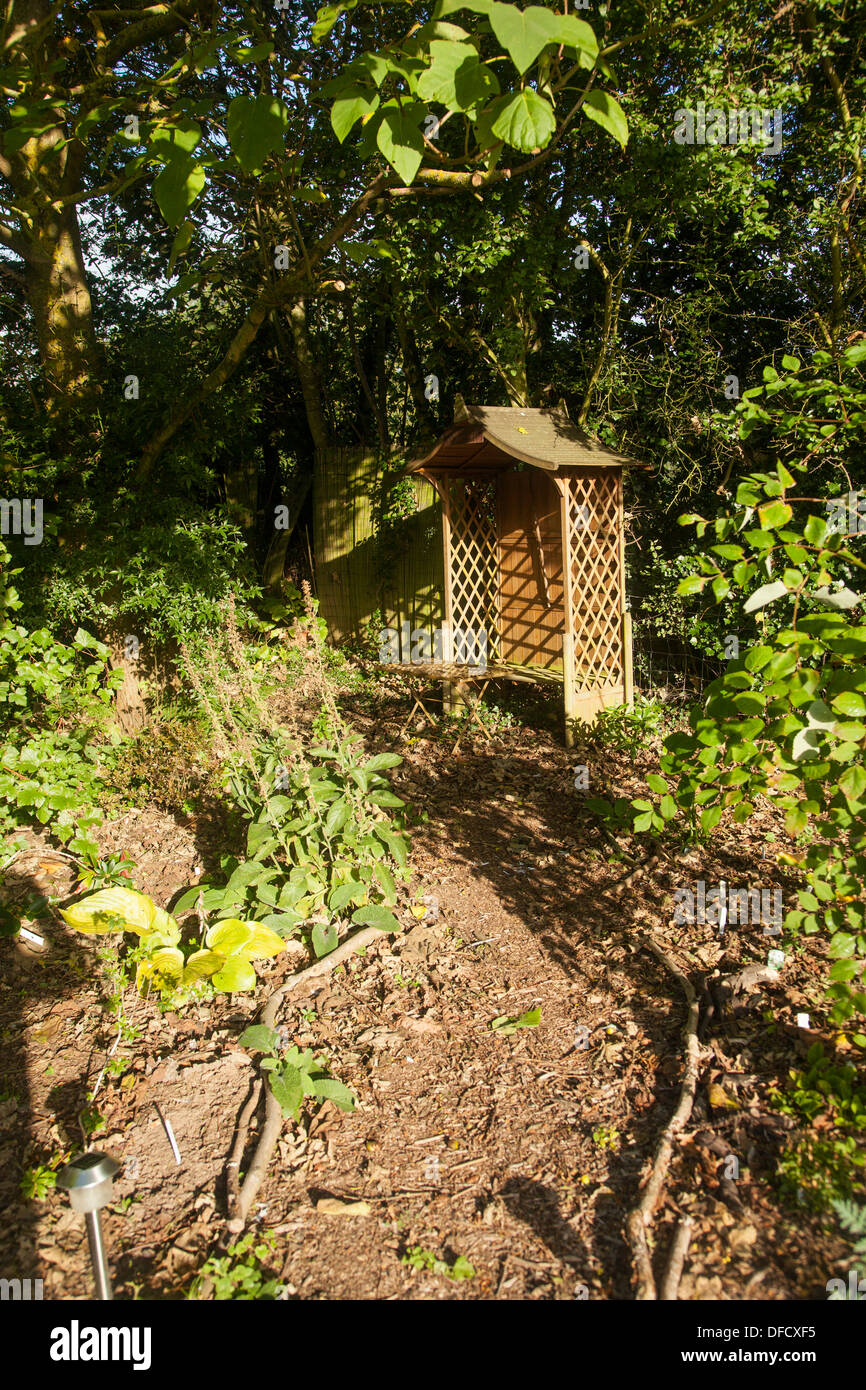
(89, 1180)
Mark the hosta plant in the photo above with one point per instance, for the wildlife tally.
(166, 963)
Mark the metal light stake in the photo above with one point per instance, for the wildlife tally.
(89, 1180)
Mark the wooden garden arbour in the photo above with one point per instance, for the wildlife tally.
(534, 552)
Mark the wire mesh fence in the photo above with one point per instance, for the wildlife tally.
(667, 667)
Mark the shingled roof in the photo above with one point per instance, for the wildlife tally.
(492, 437)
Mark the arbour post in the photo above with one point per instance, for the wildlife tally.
(569, 677)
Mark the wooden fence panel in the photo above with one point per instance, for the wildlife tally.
(351, 582)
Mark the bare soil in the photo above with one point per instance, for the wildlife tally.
(521, 1152)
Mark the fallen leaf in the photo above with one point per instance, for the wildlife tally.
(335, 1206)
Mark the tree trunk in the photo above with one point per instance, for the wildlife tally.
(308, 374)
(59, 298)
(43, 174)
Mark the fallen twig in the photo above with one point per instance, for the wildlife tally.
(676, 1259)
(643, 867)
(641, 1215)
(273, 1114)
(234, 1163)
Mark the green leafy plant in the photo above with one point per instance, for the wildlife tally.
(55, 724)
(622, 728)
(325, 837)
(827, 1158)
(786, 722)
(605, 1137)
(294, 1075)
(416, 1257)
(108, 871)
(36, 1183)
(852, 1219)
(240, 1275)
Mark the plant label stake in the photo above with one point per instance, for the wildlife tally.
(89, 1180)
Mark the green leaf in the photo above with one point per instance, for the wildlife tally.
(606, 111)
(457, 79)
(259, 1038)
(775, 514)
(395, 843)
(288, 1089)
(399, 139)
(692, 585)
(853, 782)
(324, 938)
(346, 893)
(169, 141)
(850, 703)
(522, 33)
(710, 817)
(525, 122)
(329, 1089)
(382, 760)
(236, 974)
(768, 593)
(351, 106)
(378, 917)
(256, 128)
(337, 816)
(815, 530)
(177, 188)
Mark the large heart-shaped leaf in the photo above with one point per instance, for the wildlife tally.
(256, 128)
(167, 141)
(177, 188)
(526, 121)
(523, 33)
(460, 82)
(399, 139)
(351, 106)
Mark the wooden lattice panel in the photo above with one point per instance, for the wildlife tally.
(474, 559)
(593, 524)
(531, 618)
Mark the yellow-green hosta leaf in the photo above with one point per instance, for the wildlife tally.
(201, 965)
(229, 937)
(263, 943)
(169, 936)
(237, 973)
(164, 923)
(112, 909)
(163, 967)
